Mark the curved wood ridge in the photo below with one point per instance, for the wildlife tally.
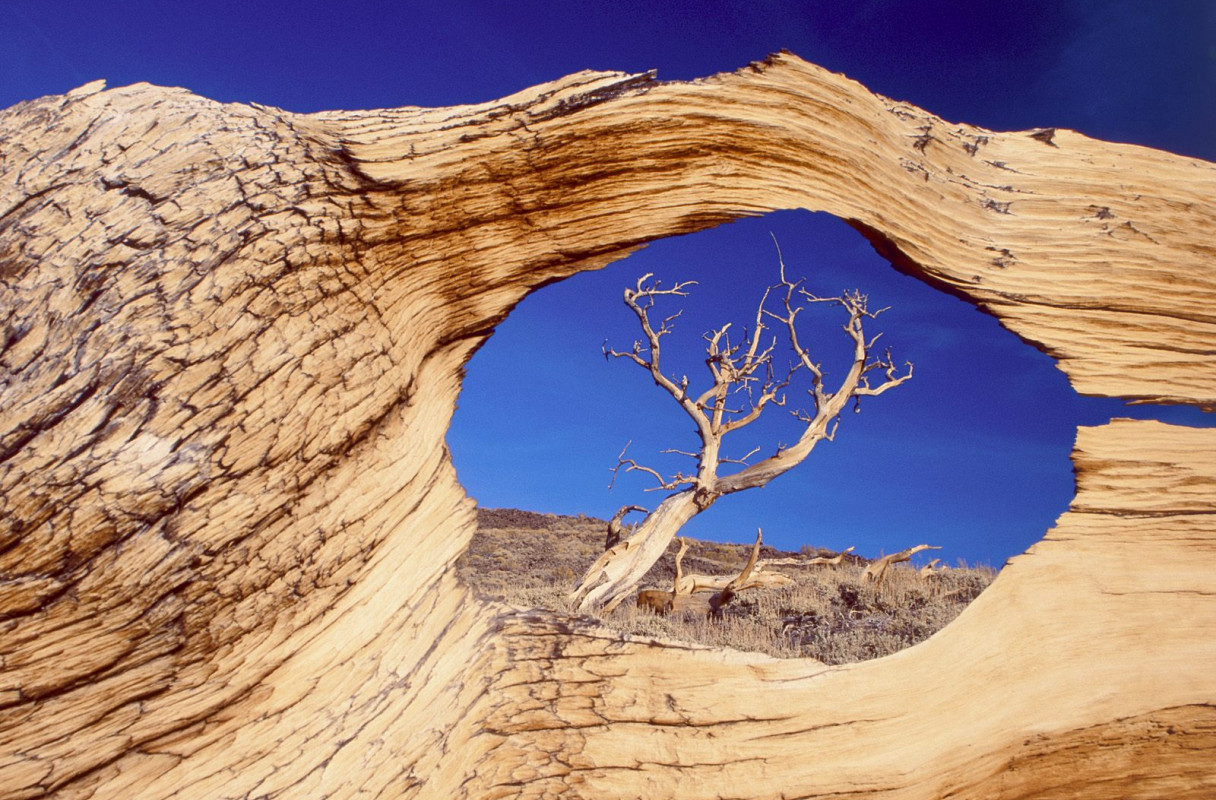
(231, 343)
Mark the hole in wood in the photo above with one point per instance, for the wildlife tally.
(969, 456)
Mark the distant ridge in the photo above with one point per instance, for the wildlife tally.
(528, 520)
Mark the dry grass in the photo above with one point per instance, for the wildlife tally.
(829, 614)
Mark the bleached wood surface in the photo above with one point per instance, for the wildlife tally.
(232, 339)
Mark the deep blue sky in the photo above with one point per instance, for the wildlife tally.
(971, 455)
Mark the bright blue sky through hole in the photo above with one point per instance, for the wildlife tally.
(971, 455)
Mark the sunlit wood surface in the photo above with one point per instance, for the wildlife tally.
(231, 340)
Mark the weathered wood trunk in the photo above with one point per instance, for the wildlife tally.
(232, 341)
(615, 574)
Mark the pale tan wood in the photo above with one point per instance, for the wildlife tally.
(876, 571)
(231, 344)
(708, 594)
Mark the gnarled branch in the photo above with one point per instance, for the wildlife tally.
(831, 561)
(876, 570)
(674, 482)
(615, 526)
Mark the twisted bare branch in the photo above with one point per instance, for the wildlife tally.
(876, 571)
(669, 484)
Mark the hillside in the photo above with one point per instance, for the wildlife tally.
(830, 614)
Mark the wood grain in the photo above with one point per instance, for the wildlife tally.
(231, 343)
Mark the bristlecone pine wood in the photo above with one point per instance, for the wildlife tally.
(232, 340)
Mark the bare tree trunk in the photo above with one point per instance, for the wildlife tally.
(624, 564)
(230, 344)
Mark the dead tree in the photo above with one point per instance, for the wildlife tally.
(876, 570)
(741, 374)
(709, 594)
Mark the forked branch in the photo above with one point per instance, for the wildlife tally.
(629, 465)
